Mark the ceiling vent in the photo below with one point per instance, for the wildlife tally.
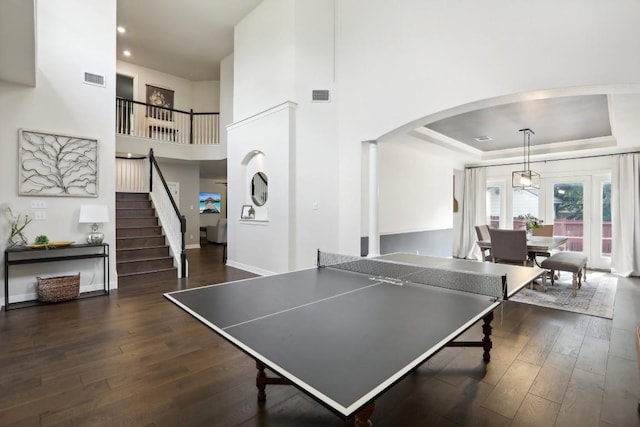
(94, 79)
(483, 138)
(320, 95)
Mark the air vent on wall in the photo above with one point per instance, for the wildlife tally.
(320, 95)
(94, 79)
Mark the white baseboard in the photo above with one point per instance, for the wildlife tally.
(249, 268)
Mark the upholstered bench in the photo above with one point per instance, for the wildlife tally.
(566, 261)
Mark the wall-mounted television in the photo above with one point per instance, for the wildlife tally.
(210, 203)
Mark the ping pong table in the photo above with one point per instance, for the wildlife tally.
(351, 328)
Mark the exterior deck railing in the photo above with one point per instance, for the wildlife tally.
(142, 120)
(572, 229)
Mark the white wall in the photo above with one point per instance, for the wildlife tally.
(226, 97)
(317, 160)
(404, 60)
(73, 36)
(285, 39)
(18, 41)
(415, 186)
(263, 58)
(206, 96)
(391, 66)
(263, 245)
(187, 94)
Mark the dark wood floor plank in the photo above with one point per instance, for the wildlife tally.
(553, 379)
(593, 355)
(583, 400)
(508, 394)
(536, 411)
(134, 359)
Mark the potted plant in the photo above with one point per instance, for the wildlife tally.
(18, 223)
(530, 222)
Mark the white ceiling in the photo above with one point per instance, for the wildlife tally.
(189, 38)
(186, 38)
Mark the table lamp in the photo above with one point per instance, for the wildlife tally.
(94, 215)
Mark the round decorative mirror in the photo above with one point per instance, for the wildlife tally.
(259, 188)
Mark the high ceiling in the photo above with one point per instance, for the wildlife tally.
(189, 38)
(186, 38)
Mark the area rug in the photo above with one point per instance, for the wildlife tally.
(595, 298)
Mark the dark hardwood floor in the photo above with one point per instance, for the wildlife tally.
(135, 359)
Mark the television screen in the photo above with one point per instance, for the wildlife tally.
(210, 203)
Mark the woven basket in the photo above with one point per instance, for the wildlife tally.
(61, 288)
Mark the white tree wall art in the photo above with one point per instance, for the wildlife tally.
(57, 165)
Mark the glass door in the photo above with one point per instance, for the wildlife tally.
(601, 251)
(580, 209)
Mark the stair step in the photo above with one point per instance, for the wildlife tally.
(144, 265)
(135, 242)
(136, 222)
(157, 275)
(138, 231)
(131, 254)
(122, 213)
(120, 195)
(142, 252)
(133, 204)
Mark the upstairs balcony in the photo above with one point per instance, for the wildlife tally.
(140, 120)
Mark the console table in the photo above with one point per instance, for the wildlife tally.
(22, 255)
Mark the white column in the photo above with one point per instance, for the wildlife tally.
(374, 234)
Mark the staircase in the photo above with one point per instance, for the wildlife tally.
(141, 250)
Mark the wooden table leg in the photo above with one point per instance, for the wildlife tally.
(363, 417)
(487, 345)
(261, 382)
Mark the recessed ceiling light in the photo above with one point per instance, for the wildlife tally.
(126, 53)
(483, 138)
(121, 30)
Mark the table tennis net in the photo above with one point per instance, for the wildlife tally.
(484, 284)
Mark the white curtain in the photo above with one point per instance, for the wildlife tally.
(474, 213)
(625, 216)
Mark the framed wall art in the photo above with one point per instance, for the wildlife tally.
(52, 164)
(159, 97)
(247, 212)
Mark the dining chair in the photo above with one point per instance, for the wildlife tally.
(482, 231)
(544, 230)
(509, 247)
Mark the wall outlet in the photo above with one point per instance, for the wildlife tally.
(40, 215)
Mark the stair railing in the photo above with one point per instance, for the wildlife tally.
(173, 223)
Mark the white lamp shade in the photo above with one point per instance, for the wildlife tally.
(93, 214)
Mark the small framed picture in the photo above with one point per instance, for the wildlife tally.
(247, 212)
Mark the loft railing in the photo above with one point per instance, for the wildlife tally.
(142, 120)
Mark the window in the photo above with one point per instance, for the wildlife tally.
(605, 197)
(493, 206)
(524, 202)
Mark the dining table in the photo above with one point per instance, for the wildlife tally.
(535, 245)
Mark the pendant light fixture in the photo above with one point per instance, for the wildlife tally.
(526, 179)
